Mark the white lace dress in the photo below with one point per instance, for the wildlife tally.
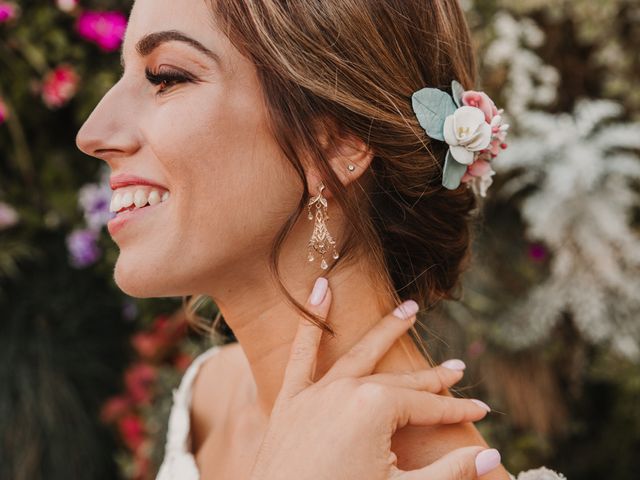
(179, 463)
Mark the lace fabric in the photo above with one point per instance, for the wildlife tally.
(179, 462)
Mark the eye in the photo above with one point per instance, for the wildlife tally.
(167, 78)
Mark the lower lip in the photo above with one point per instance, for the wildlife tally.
(123, 218)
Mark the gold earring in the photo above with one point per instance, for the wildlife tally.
(321, 239)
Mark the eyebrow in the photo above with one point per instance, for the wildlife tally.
(150, 42)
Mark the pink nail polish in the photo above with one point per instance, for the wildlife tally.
(482, 404)
(454, 364)
(319, 291)
(487, 460)
(406, 309)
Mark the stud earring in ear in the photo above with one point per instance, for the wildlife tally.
(321, 239)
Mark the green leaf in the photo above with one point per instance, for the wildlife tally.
(458, 90)
(432, 106)
(453, 172)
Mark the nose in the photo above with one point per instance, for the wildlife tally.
(110, 130)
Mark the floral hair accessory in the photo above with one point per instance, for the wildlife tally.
(469, 122)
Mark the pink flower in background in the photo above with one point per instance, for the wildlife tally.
(132, 431)
(139, 379)
(114, 408)
(4, 112)
(67, 5)
(104, 28)
(8, 11)
(59, 86)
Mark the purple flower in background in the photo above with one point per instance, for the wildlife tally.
(8, 11)
(8, 216)
(104, 28)
(95, 199)
(538, 252)
(83, 247)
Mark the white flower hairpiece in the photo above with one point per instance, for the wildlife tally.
(472, 126)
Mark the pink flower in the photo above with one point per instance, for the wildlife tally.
(482, 101)
(139, 379)
(103, 28)
(8, 216)
(132, 431)
(4, 112)
(59, 86)
(8, 11)
(114, 407)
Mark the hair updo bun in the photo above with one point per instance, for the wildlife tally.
(356, 63)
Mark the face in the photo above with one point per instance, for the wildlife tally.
(188, 118)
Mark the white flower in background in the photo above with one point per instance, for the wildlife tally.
(8, 216)
(67, 5)
(466, 132)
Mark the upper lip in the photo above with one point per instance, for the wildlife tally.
(125, 179)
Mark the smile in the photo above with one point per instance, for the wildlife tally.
(128, 198)
(131, 202)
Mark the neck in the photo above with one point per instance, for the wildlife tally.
(265, 324)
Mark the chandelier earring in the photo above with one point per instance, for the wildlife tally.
(321, 240)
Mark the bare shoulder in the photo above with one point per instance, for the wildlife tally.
(214, 390)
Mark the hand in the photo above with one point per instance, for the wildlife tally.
(340, 427)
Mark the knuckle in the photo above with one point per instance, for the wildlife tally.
(460, 470)
(299, 352)
(373, 394)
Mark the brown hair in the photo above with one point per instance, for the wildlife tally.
(354, 65)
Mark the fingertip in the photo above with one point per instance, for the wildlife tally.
(319, 291)
(487, 460)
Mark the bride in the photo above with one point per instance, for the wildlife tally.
(255, 145)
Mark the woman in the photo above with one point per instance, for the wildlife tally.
(232, 115)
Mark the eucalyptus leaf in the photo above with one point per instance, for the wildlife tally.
(458, 90)
(453, 172)
(432, 106)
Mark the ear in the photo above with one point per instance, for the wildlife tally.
(341, 149)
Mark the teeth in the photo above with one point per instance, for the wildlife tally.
(140, 198)
(127, 200)
(154, 198)
(115, 202)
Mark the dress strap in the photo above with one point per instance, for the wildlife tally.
(178, 462)
(178, 437)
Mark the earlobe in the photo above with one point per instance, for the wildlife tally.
(348, 155)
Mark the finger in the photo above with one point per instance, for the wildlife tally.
(304, 349)
(362, 358)
(466, 463)
(432, 380)
(415, 407)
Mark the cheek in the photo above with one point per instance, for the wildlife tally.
(230, 185)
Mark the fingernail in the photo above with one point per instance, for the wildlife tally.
(482, 404)
(487, 460)
(406, 309)
(319, 291)
(454, 364)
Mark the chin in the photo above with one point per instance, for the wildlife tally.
(140, 279)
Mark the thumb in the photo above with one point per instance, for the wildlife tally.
(467, 463)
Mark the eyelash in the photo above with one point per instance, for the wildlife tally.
(168, 77)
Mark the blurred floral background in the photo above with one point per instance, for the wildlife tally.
(549, 322)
